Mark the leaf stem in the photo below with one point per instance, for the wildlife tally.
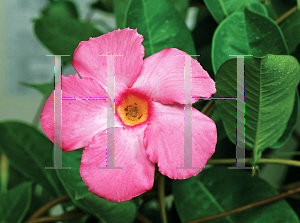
(47, 206)
(161, 196)
(255, 204)
(259, 161)
(286, 14)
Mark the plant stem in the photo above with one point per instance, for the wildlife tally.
(47, 206)
(285, 15)
(259, 161)
(161, 196)
(247, 206)
(4, 173)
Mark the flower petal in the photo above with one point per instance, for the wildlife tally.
(165, 146)
(88, 62)
(81, 119)
(137, 175)
(162, 77)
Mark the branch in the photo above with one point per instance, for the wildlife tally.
(262, 160)
(255, 204)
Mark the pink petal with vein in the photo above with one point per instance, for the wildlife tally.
(162, 77)
(126, 42)
(164, 140)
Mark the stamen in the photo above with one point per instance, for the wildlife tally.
(133, 109)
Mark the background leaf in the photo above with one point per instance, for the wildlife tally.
(60, 30)
(270, 84)
(45, 89)
(247, 32)
(29, 152)
(106, 211)
(203, 196)
(161, 25)
(15, 203)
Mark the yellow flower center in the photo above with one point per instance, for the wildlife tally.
(133, 109)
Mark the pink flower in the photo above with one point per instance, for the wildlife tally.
(149, 115)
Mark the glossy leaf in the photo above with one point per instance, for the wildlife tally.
(29, 152)
(59, 29)
(203, 196)
(220, 9)
(15, 203)
(270, 84)
(291, 30)
(247, 32)
(161, 25)
(45, 89)
(106, 211)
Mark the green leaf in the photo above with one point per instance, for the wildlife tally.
(15, 178)
(203, 196)
(29, 152)
(247, 32)
(106, 211)
(61, 31)
(181, 6)
(290, 125)
(291, 30)
(121, 7)
(65, 7)
(15, 203)
(220, 9)
(270, 84)
(161, 25)
(45, 89)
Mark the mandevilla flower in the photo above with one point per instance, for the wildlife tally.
(149, 115)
